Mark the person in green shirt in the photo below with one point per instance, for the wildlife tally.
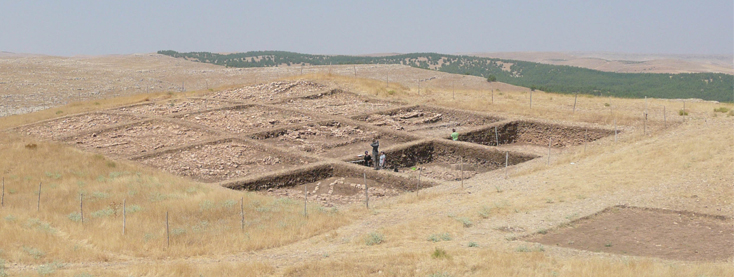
(454, 135)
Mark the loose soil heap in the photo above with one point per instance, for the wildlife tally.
(270, 91)
(221, 161)
(140, 138)
(247, 119)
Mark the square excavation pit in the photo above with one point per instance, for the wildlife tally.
(139, 138)
(338, 102)
(222, 160)
(247, 118)
(666, 234)
(331, 139)
(330, 184)
(428, 121)
(62, 127)
(533, 136)
(269, 92)
(445, 160)
(173, 107)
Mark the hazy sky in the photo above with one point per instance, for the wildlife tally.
(361, 27)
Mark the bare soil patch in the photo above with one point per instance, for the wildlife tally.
(66, 126)
(269, 91)
(247, 119)
(429, 121)
(173, 107)
(222, 161)
(648, 232)
(140, 138)
(330, 139)
(337, 102)
(335, 191)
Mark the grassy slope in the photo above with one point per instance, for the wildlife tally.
(699, 148)
(556, 78)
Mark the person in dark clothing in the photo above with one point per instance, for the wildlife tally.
(367, 159)
(375, 145)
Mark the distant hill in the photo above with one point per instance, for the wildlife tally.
(625, 62)
(546, 77)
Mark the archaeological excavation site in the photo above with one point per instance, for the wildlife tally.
(287, 138)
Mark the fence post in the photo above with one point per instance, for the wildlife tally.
(168, 233)
(2, 198)
(417, 187)
(531, 99)
(615, 129)
(586, 138)
(507, 159)
(81, 206)
(305, 199)
(492, 96)
(242, 213)
(549, 149)
(38, 203)
(124, 215)
(665, 120)
(575, 96)
(496, 136)
(461, 168)
(366, 193)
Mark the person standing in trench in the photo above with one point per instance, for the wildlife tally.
(375, 145)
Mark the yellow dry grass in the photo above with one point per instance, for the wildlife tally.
(206, 237)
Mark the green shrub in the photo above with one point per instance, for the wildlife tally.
(721, 110)
(440, 254)
(473, 244)
(682, 112)
(76, 217)
(374, 238)
(439, 237)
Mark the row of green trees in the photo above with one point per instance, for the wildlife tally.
(551, 78)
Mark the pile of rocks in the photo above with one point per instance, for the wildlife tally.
(400, 120)
(344, 104)
(270, 91)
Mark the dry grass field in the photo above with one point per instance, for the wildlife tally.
(478, 227)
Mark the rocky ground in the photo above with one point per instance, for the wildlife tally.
(222, 161)
(173, 107)
(338, 103)
(247, 119)
(140, 139)
(269, 91)
(336, 191)
(66, 126)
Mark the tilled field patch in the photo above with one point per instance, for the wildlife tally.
(222, 161)
(332, 139)
(269, 92)
(173, 107)
(247, 119)
(67, 126)
(340, 103)
(647, 232)
(429, 121)
(140, 138)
